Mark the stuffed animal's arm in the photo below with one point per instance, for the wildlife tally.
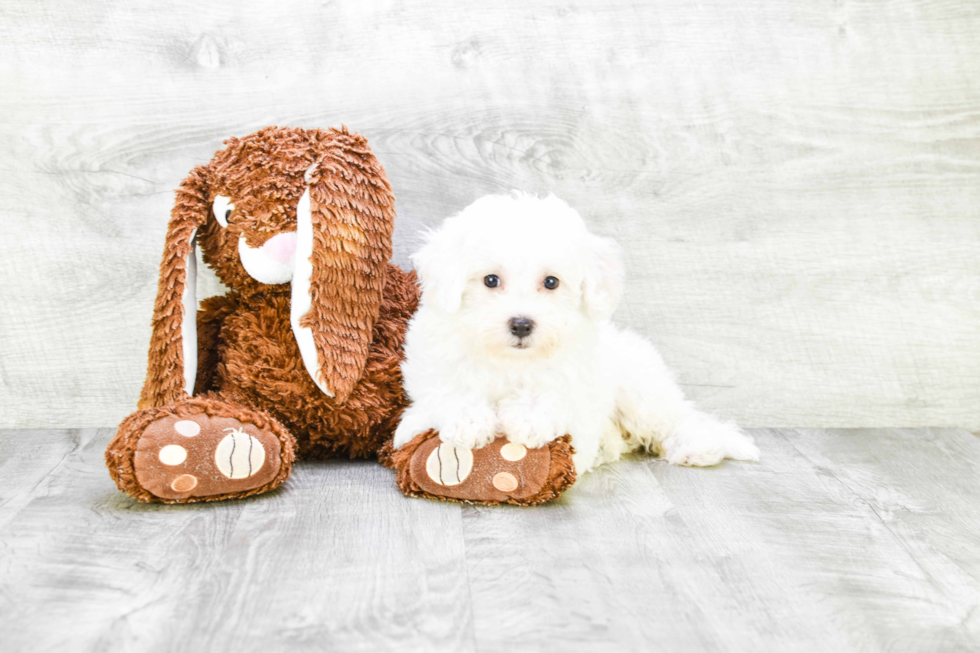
(210, 319)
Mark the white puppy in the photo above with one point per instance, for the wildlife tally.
(513, 337)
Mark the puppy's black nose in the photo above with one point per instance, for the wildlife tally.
(521, 326)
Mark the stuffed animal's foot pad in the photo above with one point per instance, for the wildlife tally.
(500, 472)
(187, 457)
(204, 456)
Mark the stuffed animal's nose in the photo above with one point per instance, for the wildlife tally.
(521, 326)
(280, 248)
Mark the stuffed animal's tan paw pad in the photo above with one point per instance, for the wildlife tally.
(500, 472)
(448, 464)
(202, 456)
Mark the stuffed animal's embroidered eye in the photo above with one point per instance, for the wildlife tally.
(222, 208)
(491, 281)
(551, 283)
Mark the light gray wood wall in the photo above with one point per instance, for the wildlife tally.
(797, 184)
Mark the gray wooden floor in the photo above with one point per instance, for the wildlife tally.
(849, 540)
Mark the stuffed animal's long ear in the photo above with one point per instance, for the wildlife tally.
(172, 364)
(602, 287)
(344, 222)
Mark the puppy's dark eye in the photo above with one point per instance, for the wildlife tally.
(551, 283)
(491, 281)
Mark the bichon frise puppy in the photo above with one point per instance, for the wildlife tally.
(513, 337)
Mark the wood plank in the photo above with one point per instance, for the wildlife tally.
(27, 461)
(922, 485)
(335, 560)
(796, 183)
(613, 567)
(838, 540)
(779, 556)
(803, 536)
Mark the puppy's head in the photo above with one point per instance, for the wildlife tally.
(519, 277)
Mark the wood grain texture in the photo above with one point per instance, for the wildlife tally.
(336, 560)
(797, 184)
(854, 540)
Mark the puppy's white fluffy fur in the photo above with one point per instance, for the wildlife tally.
(471, 378)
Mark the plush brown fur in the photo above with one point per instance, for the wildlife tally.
(264, 174)
(249, 365)
(257, 360)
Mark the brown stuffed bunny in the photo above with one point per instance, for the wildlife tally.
(302, 355)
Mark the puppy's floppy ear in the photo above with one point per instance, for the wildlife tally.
(172, 364)
(344, 222)
(441, 270)
(602, 286)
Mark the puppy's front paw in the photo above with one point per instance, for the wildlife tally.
(473, 428)
(531, 425)
(414, 421)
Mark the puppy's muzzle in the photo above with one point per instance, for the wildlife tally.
(521, 326)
